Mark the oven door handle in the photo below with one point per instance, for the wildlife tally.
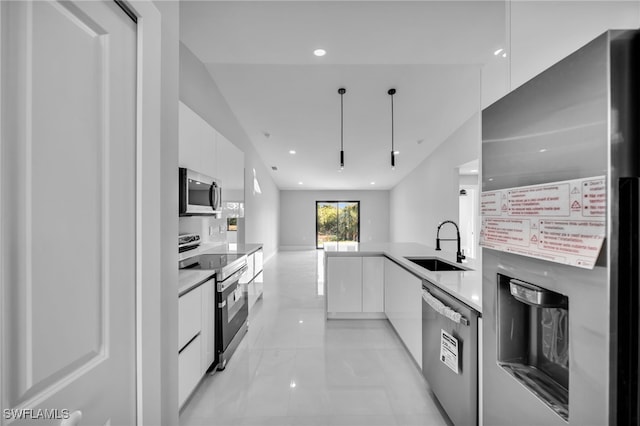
(232, 280)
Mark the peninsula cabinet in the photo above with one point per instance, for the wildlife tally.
(355, 287)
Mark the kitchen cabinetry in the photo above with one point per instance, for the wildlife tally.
(403, 306)
(196, 335)
(197, 142)
(252, 280)
(373, 284)
(344, 284)
(189, 373)
(189, 342)
(190, 316)
(230, 170)
(205, 150)
(355, 285)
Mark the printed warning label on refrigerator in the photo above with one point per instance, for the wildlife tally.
(562, 222)
(449, 351)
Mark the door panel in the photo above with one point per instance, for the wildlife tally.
(68, 208)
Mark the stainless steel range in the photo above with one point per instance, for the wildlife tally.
(232, 308)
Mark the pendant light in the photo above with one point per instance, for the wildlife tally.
(392, 92)
(341, 91)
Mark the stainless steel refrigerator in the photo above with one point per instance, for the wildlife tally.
(560, 169)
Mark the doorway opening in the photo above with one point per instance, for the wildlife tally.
(337, 224)
(468, 207)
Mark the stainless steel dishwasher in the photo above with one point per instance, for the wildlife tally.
(450, 353)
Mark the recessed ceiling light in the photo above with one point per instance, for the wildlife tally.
(504, 55)
(497, 52)
(292, 151)
(299, 183)
(319, 52)
(373, 183)
(543, 150)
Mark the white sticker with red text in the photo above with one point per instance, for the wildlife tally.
(563, 222)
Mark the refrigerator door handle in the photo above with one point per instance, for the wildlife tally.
(628, 274)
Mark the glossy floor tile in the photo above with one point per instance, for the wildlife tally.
(295, 368)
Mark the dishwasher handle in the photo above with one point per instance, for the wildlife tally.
(443, 309)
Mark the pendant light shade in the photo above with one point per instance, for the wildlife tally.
(392, 92)
(342, 91)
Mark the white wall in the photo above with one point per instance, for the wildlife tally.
(298, 216)
(200, 92)
(429, 194)
(159, 309)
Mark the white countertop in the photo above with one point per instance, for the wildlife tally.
(465, 286)
(226, 248)
(188, 278)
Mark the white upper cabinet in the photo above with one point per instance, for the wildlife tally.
(205, 150)
(230, 170)
(197, 142)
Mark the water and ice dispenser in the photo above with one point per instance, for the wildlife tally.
(533, 340)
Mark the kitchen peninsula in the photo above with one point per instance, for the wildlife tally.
(432, 302)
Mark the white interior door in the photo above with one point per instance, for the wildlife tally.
(68, 212)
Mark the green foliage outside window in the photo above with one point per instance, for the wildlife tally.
(338, 222)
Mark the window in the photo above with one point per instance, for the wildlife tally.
(338, 223)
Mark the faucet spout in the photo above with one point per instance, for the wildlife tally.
(459, 255)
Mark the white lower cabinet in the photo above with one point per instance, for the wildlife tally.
(196, 337)
(373, 284)
(189, 370)
(344, 279)
(355, 285)
(189, 316)
(403, 306)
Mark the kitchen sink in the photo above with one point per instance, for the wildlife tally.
(435, 264)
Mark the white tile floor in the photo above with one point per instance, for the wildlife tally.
(295, 368)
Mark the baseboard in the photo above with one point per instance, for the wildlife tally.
(296, 248)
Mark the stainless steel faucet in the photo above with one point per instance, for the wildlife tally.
(459, 255)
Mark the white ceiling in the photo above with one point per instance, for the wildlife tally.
(260, 56)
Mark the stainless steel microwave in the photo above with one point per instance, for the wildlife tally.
(199, 194)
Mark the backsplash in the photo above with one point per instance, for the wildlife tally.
(210, 229)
